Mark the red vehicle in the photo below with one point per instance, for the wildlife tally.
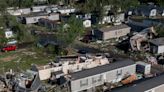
(9, 48)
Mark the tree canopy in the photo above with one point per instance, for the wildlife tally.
(159, 2)
(72, 31)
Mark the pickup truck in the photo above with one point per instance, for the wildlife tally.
(9, 48)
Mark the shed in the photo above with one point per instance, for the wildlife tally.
(143, 67)
(157, 45)
(8, 33)
(87, 23)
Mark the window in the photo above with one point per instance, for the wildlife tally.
(83, 82)
(100, 78)
(35, 19)
(97, 79)
(119, 72)
(94, 80)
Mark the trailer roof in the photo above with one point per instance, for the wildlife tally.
(101, 69)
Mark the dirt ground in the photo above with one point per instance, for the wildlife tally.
(8, 58)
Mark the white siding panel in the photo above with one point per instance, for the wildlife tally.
(110, 76)
(160, 49)
(116, 33)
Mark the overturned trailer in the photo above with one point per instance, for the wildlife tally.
(145, 35)
(23, 82)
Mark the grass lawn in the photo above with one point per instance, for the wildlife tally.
(22, 60)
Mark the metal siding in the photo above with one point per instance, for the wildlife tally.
(53, 17)
(35, 19)
(153, 12)
(160, 49)
(87, 23)
(121, 17)
(109, 35)
(147, 69)
(116, 33)
(30, 20)
(75, 85)
(110, 76)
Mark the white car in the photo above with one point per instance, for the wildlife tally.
(13, 41)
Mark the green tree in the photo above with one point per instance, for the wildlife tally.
(3, 6)
(160, 31)
(25, 3)
(126, 4)
(3, 40)
(160, 2)
(3, 17)
(98, 6)
(53, 1)
(74, 29)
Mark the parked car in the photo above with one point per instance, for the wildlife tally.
(82, 52)
(9, 48)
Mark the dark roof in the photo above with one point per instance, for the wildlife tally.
(101, 69)
(160, 9)
(65, 58)
(146, 8)
(50, 21)
(64, 18)
(143, 86)
(56, 73)
(36, 82)
(159, 20)
(46, 42)
(36, 14)
(112, 28)
(158, 41)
